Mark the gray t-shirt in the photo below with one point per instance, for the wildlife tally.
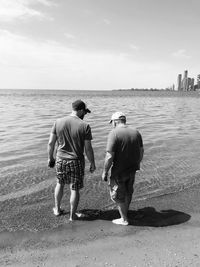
(125, 142)
(71, 133)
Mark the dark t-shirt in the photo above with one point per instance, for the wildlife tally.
(71, 133)
(125, 142)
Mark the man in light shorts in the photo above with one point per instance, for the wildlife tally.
(124, 153)
(72, 136)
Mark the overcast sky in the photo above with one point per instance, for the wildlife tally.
(97, 44)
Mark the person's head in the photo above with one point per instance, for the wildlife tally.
(79, 107)
(118, 118)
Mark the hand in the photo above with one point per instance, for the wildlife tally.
(51, 163)
(92, 167)
(104, 177)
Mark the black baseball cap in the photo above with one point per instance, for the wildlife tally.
(79, 105)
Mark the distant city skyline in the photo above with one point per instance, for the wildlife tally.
(97, 45)
(185, 83)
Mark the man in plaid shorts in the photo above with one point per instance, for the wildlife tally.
(72, 135)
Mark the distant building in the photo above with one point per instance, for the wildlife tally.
(198, 81)
(187, 83)
(192, 84)
(179, 82)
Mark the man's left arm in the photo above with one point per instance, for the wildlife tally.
(50, 149)
(141, 147)
(90, 155)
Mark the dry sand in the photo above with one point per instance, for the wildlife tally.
(154, 237)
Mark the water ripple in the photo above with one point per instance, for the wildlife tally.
(169, 124)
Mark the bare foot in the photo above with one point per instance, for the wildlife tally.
(76, 216)
(57, 212)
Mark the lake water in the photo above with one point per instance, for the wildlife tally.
(168, 121)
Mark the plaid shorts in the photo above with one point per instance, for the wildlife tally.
(70, 172)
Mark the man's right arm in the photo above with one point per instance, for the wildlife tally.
(107, 164)
(141, 153)
(90, 154)
(110, 148)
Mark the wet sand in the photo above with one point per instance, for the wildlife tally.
(163, 231)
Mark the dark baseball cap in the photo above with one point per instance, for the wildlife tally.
(79, 105)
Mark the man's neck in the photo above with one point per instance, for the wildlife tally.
(121, 125)
(74, 114)
(77, 114)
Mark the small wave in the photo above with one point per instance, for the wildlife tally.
(27, 191)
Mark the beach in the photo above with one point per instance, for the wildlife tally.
(163, 231)
(139, 58)
(164, 213)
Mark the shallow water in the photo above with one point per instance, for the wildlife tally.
(168, 121)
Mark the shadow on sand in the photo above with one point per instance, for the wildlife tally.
(142, 217)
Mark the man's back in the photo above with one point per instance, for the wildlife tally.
(125, 142)
(71, 133)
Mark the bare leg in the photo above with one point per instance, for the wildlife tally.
(74, 201)
(127, 202)
(122, 207)
(58, 194)
(122, 210)
(129, 194)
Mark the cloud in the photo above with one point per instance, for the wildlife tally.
(107, 21)
(50, 64)
(181, 53)
(44, 2)
(21, 9)
(28, 53)
(134, 47)
(69, 36)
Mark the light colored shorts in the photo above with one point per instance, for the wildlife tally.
(122, 186)
(70, 172)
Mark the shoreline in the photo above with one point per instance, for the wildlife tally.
(154, 237)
